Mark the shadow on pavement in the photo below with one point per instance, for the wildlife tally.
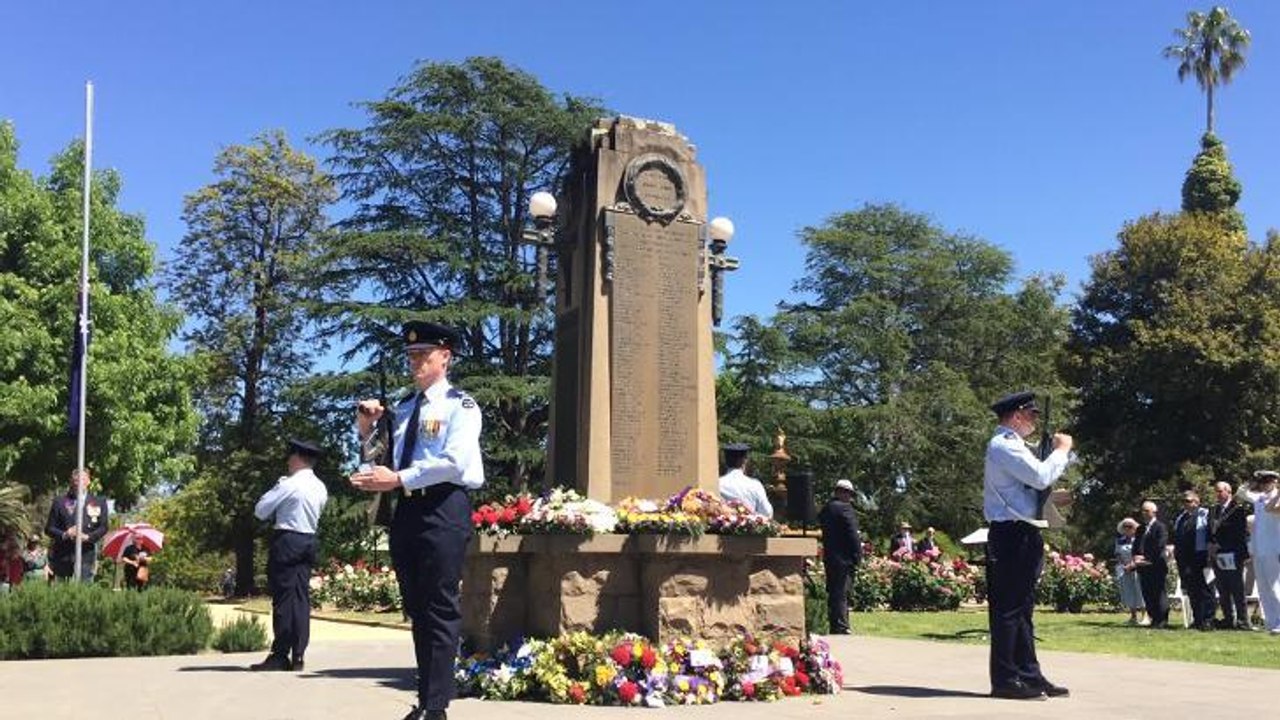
(399, 678)
(958, 635)
(916, 692)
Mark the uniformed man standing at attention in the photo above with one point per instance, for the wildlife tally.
(1015, 550)
(437, 453)
(293, 506)
(735, 484)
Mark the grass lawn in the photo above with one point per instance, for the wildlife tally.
(392, 619)
(1087, 632)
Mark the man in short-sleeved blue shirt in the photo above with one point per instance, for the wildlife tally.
(1012, 477)
(436, 447)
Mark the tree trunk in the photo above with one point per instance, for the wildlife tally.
(244, 548)
(1209, 111)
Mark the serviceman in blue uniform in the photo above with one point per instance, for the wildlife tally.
(735, 484)
(437, 451)
(293, 506)
(1015, 550)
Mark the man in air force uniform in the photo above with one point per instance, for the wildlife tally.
(437, 457)
(735, 484)
(1015, 550)
(294, 506)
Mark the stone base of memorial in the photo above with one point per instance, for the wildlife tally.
(715, 587)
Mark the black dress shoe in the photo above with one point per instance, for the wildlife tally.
(272, 663)
(424, 714)
(1051, 690)
(1018, 690)
(298, 665)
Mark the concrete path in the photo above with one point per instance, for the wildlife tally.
(355, 672)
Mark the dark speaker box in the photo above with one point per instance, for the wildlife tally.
(800, 507)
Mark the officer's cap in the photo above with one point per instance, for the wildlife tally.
(419, 334)
(844, 485)
(1263, 476)
(735, 450)
(904, 525)
(303, 448)
(1025, 400)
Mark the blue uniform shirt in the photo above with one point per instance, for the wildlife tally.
(736, 485)
(1013, 474)
(448, 445)
(296, 501)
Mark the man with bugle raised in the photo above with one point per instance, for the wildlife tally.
(1013, 479)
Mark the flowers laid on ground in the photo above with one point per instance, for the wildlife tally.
(629, 670)
(1068, 582)
(357, 586)
(502, 518)
(564, 511)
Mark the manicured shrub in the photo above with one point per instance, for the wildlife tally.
(1069, 582)
(244, 634)
(72, 620)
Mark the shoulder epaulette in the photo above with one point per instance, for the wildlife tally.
(466, 400)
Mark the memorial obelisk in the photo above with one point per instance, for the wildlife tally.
(633, 408)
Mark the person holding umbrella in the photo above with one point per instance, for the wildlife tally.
(130, 545)
(294, 505)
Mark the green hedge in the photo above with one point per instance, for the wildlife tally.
(244, 634)
(72, 620)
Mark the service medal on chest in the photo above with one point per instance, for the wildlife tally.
(430, 427)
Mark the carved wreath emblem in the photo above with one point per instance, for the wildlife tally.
(643, 199)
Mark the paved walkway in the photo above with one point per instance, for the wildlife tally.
(354, 672)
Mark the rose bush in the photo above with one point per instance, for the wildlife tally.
(1069, 582)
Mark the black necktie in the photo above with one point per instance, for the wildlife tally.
(411, 434)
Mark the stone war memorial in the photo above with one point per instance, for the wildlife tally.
(633, 414)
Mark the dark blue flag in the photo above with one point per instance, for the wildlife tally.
(79, 346)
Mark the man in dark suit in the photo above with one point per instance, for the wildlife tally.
(1153, 569)
(1191, 550)
(841, 553)
(1228, 549)
(61, 526)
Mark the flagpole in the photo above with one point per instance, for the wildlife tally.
(84, 325)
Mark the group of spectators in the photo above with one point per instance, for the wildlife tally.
(1220, 552)
(19, 565)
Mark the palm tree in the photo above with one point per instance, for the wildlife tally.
(13, 510)
(1206, 38)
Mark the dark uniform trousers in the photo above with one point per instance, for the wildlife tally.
(289, 562)
(429, 538)
(1015, 554)
(839, 570)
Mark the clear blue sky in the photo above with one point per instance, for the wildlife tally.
(1039, 126)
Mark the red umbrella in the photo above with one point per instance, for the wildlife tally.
(140, 534)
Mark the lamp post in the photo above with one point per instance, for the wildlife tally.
(542, 235)
(720, 230)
